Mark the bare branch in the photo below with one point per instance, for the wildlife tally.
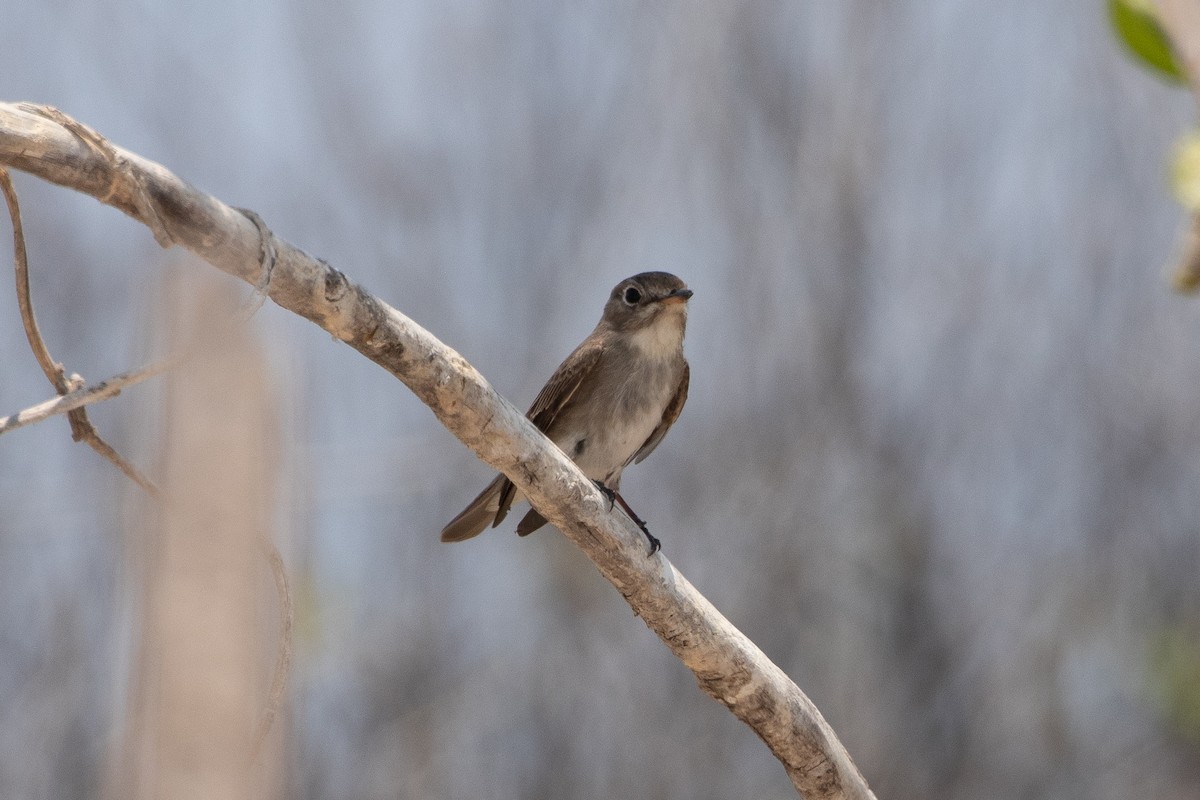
(81, 396)
(94, 441)
(727, 665)
(53, 370)
(82, 429)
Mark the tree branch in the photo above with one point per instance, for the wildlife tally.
(80, 397)
(82, 429)
(727, 665)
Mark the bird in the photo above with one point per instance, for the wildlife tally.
(609, 403)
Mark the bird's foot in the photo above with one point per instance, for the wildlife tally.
(655, 544)
(607, 492)
(614, 498)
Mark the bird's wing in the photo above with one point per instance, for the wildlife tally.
(561, 389)
(556, 395)
(670, 414)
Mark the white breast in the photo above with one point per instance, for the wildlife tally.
(662, 339)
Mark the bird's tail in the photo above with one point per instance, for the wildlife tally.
(484, 510)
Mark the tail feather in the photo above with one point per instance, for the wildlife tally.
(489, 508)
(530, 523)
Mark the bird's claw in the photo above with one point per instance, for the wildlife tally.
(613, 499)
(607, 492)
(655, 544)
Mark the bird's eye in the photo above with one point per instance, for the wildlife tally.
(632, 296)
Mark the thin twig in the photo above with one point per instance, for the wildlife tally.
(82, 429)
(54, 371)
(82, 396)
(105, 449)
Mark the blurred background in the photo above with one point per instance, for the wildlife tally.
(940, 459)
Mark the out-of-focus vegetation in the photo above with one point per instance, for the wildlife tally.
(939, 458)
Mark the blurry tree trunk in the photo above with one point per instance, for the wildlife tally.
(727, 665)
(200, 678)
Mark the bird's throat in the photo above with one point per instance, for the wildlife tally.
(661, 339)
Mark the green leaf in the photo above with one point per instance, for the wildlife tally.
(1137, 26)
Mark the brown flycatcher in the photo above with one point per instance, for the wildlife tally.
(610, 403)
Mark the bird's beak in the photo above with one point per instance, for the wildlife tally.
(677, 296)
